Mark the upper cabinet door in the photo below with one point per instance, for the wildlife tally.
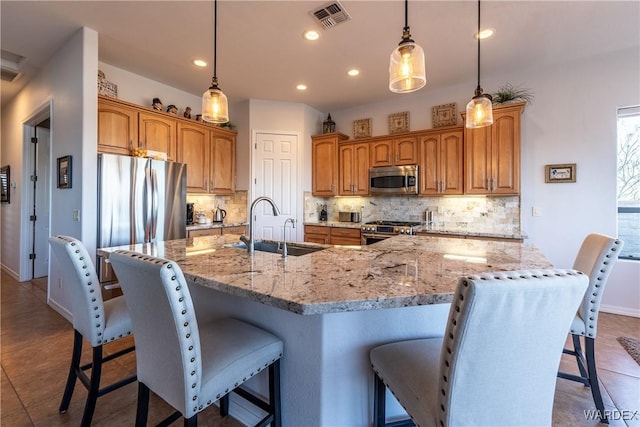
(117, 128)
(158, 134)
(324, 164)
(405, 151)
(223, 164)
(398, 152)
(430, 164)
(451, 162)
(194, 151)
(381, 153)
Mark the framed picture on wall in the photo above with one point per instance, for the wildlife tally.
(5, 181)
(64, 172)
(362, 128)
(560, 173)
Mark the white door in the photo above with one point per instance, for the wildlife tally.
(275, 176)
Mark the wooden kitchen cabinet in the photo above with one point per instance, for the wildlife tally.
(344, 236)
(194, 151)
(394, 152)
(157, 133)
(354, 169)
(324, 163)
(492, 154)
(223, 163)
(205, 232)
(441, 162)
(235, 229)
(325, 234)
(117, 127)
(317, 234)
(210, 156)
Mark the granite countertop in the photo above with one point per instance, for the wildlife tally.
(397, 272)
(215, 225)
(469, 233)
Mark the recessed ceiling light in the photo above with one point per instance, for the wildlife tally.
(199, 63)
(301, 87)
(353, 72)
(311, 35)
(486, 33)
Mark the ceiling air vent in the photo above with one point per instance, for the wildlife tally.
(331, 14)
(10, 66)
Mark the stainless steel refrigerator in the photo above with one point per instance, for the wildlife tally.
(140, 200)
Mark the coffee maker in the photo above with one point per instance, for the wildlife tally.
(189, 213)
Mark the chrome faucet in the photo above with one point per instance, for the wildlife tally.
(284, 245)
(276, 212)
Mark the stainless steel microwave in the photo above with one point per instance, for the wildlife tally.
(393, 180)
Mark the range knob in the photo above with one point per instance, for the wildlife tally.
(402, 231)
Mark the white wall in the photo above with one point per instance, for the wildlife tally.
(141, 90)
(73, 132)
(572, 120)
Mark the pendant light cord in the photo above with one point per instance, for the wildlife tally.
(478, 37)
(406, 13)
(215, 37)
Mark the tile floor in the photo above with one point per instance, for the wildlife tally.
(36, 345)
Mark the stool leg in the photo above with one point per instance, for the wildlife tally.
(379, 410)
(73, 368)
(142, 409)
(94, 387)
(589, 344)
(578, 353)
(224, 405)
(274, 393)
(191, 422)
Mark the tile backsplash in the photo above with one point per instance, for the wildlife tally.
(235, 205)
(473, 213)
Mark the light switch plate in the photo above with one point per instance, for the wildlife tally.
(536, 211)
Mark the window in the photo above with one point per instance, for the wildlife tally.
(629, 181)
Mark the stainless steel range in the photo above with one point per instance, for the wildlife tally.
(376, 231)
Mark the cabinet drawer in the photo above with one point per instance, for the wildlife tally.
(317, 229)
(205, 232)
(236, 229)
(353, 233)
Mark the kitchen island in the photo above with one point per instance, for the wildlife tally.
(332, 306)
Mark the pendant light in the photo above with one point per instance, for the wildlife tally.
(406, 65)
(214, 103)
(480, 108)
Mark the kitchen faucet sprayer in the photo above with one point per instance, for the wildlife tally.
(276, 212)
(284, 244)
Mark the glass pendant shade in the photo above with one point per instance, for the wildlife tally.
(215, 108)
(406, 68)
(479, 112)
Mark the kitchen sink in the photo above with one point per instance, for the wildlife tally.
(293, 249)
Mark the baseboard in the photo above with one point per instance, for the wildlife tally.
(60, 309)
(624, 311)
(10, 272)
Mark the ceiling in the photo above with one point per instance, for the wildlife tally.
(262, 54)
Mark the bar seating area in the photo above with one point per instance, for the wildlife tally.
(31, 396)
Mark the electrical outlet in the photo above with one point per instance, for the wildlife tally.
(59, 282)
(536, 211)
(76, 214)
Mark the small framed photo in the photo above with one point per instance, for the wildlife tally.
(362, 128)
(64, 172)
(560, 173)
(399, 122)
(444, 115)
